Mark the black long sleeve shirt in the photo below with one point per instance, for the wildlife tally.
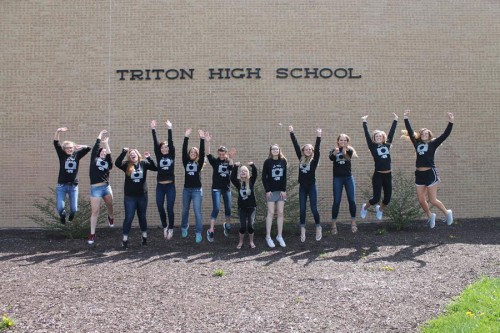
(341, 165)
(246, 196)
(69, 164)
(221, 173)
(381, 152)
(274, 175)
(135, 184)
(192, 169)
(307, 171)
(165, 163)
(99, 168)
(426, 151)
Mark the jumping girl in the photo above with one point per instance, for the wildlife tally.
(379, 144)
(69, 155)
(100, 165)
(135, 190)
(274, 181)
(309, 159)
(193, 160)
(222, 165)
(426, 175)
(165, 186)
(341, 156)
(246, 200)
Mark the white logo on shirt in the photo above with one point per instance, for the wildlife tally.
(70, 165)
(277, 172)
(165, 163)
(101, 164)
(223, 170)
(305, 168)
(422, 148)
(191, 168)
(383, 152)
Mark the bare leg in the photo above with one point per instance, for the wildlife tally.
(421, 194)
(269, 218)
(95, 203)
(281, 207)
(432, 192)
(108, 200)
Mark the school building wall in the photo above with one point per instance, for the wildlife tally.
(59, 63)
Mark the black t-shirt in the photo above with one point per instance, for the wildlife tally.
(221, 174)
(246, 196)
(135, 183)
(68, 164)
(99, 168)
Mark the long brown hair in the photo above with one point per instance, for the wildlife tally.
(280, 155)
(417, 135)
(346, 156)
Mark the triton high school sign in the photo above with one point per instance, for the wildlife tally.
(236, 73)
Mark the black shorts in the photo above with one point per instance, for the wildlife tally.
(427, 178)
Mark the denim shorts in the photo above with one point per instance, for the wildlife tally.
(100, 191)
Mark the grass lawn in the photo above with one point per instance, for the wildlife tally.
(477, 309)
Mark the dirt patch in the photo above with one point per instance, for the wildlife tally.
(360, 282)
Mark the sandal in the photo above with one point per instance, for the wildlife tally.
(252, 246)
(239, 246)
(354, 228)
(334, 229)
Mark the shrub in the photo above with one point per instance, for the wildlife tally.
(6, 323)
(404, 207)
(48, 218)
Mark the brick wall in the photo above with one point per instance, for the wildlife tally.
(59, 58)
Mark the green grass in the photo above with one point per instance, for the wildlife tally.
(219, 273)
(477, 309)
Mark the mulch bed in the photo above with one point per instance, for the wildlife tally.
(360, 282)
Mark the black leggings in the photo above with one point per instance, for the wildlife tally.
(381, 181)
(247, 217)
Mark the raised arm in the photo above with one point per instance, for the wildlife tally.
(149, 163)
(317, 144)
(393, 128)
(447, 131)
(119, 161)
(58, 132)
(170, 141)
(105, 141)
(156, 145)
(201, 157)
(295, 143)
(234, 175)
(253, 177)
(185, 153)
(409, 129)
(367, 131)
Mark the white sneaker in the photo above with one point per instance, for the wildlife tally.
(170, 234)
(281, 241)
(165, 233)
(432, 221)
(379, 212)
(319, 233)
(449, 217)
(270, 242)
(363, 211)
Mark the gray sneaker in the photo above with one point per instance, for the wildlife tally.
(449, 217)
(210, 236)
(227, 229)
(432, 221)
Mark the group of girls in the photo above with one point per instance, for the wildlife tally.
(226, 171)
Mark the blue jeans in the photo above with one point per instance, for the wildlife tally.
(72, 192)
(338, 184)
(162, 191)
(196, 195)
(133, 204)
(216, 194)
(312, 192)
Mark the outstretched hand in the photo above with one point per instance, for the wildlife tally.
(406, 113)
(290, 128)
(153, 124)
(395, 116)
(188, 132)
(364, 118)
(169, 124)
(451, 117)
(62, 129)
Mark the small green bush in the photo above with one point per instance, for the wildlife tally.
(404, 207)
(48, 218)
(6, 323)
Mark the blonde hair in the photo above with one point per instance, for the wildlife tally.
(384, 136)
(354, 154)
(197, 153)
(246, 181)
(307, 159)
(130, 165)
(417, 135)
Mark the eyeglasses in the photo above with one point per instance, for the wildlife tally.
(275, 149)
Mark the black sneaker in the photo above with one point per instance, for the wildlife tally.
(63, 218)
(125, 244)
(111, 222)
(71, 217)
(144, 241)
